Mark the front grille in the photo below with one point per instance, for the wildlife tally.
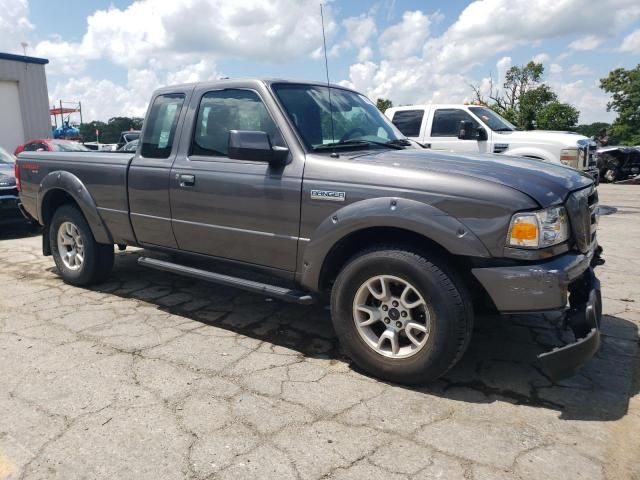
(582, 207)
(587, 158)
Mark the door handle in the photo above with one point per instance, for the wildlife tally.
(187, 180)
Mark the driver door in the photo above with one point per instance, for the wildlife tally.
(241, 210)
(444, 128)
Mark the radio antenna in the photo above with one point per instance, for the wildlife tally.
(326, 67)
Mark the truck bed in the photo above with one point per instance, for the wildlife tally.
(103, 173)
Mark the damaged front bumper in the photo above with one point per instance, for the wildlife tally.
(583, 317)
(550, 286)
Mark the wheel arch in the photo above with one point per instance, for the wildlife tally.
(365, 224)
(60, 188)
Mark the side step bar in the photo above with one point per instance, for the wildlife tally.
(249, 285)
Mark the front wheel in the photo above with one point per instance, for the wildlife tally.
(401, 316)
(80, 260)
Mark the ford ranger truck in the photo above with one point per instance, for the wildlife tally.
(308, 193)
(478, 129)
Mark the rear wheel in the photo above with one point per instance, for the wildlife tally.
(80, 260)
(401, 316)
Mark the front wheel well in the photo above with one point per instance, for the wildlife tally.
(368, 238)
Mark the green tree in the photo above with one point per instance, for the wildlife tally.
(111, 130)
(383, 104)
(88, 130)
(531, 103)
(524, 97)
(592, 129)
(557, 116)
(624, 87)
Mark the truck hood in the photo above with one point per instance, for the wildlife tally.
(546, 183)
(565, 139)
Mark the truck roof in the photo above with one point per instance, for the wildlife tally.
(423, 106)
(235, 82)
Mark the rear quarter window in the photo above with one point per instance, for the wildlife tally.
(159, 134)
(408, 122)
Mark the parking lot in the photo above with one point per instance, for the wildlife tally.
(155, 376)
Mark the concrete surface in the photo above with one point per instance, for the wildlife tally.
(153, 376)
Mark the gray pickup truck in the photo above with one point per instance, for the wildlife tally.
(308, 193)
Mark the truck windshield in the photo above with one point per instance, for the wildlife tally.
(494, 121)
(357, 123)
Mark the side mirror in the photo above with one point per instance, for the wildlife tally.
(470, 132)
(256, 146)
(467, 131)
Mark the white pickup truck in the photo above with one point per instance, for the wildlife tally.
(476, 128)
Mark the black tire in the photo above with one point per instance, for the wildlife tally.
(98, 258)
(450, 310)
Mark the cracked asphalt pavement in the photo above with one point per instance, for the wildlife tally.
(154, 376)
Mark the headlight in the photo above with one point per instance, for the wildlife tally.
(569, 157)
(540, 229)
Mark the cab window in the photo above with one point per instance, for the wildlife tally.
(408, 121)
(446, 122)
(224, 110)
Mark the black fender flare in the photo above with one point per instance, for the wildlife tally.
(73, 186)
(393, 212)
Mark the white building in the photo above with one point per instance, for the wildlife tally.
(24, 100)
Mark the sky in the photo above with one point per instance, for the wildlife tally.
(112, 54)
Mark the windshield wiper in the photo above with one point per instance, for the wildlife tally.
(354, 142)
(402, 142)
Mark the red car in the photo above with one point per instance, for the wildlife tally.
(50, 145)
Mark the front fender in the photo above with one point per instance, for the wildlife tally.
(390, 212)
(73, 186)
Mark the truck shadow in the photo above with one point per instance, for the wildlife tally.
(499, 365)
(18, 228)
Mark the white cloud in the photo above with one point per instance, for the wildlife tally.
(103, 99)
(15, 26)
(196, 72)
(364, 54)
(579, 70)
(359, 29)
(502, 66)
(189, 30)
(631, 42)
(161, 42)
(587, 98)
(588, 42)
(555, 69)
(62, 57)
(407, 37)
(541, 58)
(487, 27)
(419, 68)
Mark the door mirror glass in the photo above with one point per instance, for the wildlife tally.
(482, 134)
(467, 131)
(256, 146)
